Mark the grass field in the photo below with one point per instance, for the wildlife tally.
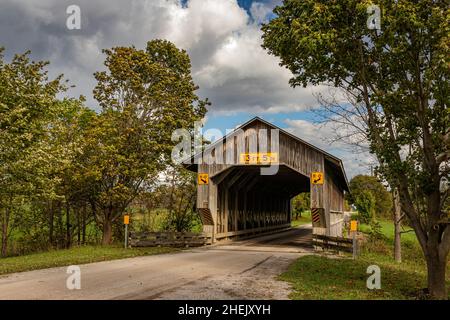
(321, 277)
(387, 228)
(73, 256)
(304, 219)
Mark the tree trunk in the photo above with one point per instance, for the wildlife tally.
(60, 235)
(5, 224)
(397, 228)
(50, 224)
(436, 267)
(107, 232)
(78, 213)
(68, 227)
(83, 241)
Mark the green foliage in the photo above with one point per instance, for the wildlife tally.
(145, 96)
(376, 231)
(150, 220)
(383, 199)
(396, 81)
(365, 204)
(67, 174)
(300, 203)
(171, 204)
(27, 104)
(305, 218)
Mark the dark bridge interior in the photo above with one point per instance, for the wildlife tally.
(248, 200)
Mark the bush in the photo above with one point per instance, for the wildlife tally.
(365, 204)
(376, 232)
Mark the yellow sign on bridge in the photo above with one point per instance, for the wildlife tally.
(203, 178)
(317, 178)
(258, 158)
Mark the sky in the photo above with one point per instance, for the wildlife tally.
(222, 37)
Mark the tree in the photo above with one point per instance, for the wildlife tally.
(398, 79)
(145, 95)
(383, 200)
(27, 97)
(301, 203)
(179, 195)
(64, 143)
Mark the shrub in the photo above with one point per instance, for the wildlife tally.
(365, 204)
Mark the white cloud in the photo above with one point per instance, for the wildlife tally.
(260, 11)
(223, 40)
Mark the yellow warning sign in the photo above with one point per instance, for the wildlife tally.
(258, 158)
(203, 178)
(353, 225)
(317, 177)
(126, 219)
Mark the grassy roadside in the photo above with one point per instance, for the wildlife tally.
(74, 256)
(321, 277)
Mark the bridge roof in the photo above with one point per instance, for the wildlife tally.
(331, 159)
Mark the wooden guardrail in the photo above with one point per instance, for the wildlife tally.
(168, 239)
(332, 243)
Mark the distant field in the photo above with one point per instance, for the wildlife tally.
(387, 228)
(304, 219)
(73, 256)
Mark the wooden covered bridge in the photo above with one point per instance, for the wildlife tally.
(247, 179)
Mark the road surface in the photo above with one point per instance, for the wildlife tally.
(235, 270)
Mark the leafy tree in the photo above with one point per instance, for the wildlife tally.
(145, 95)
(64, 143)
(27, 97)
(179, 196)
(383, 199)
(301, 203)
(398, 80)
(365, 204)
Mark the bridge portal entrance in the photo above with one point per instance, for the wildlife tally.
(247, 179)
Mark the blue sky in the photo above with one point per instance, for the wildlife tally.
(222, 37)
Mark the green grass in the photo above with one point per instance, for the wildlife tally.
(74, 256)
(320, 277)
(387, 228)
(304, 219)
